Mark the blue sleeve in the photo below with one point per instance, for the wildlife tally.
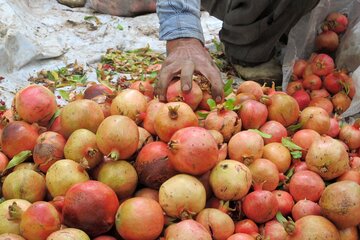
(179, 19)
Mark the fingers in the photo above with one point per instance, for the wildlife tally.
(167, 73)
(217, 85)
(187, 72)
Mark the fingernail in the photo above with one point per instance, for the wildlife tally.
(218, 99)
(186, 87)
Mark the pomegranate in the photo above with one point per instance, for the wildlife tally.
(68, 234)
(264, 173)
(130, 103)
(205, 180)
(302, 98)
(82, 148)
(139, 218)
(24, 184)
(78, 211)
(81, 113)
(10, 215)
(340, 203)
(182, 196)
(327, 41)
(322, 92)
(333, 82)
(230, 180)
(341, 102)
(304, 208)
(260, 205)
(145, 88)
(246, 146)
(172, 117)
(120, 176)
(299, 67)
(284, 109)
(247, 226)
(152, 165)
(193, 150)
(274, 230)
(187, 229)
(150, 114)
(312, 82)
(4, 161)
(275, 129)
(11, 236)
(336, 22)
(279, 155)
(242, 97)
(18, 136)
(49, 148)
(294, 86)
(148, 193)
(324, 103)
(241, 236)
(100, 93)
(35, 103)
(253, 114)
(350, 134)
(251, 87)
(307, 71)
(225, 121)
(217, 223)
(203, 105)
(351, 175)
(302, 181)
(327, 157)
(62, 175)
(118, 137)
(322, 64)
(315, 118)
(104, 237)
(192, 98)
(349, 234)
(285, 201)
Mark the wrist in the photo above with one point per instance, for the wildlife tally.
(172, 44)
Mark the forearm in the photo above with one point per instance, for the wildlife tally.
(179, 19)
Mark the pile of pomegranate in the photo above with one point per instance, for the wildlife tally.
(263, 164)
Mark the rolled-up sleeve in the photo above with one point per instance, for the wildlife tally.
(179, 19)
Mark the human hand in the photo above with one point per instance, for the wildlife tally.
(124, 8)
(186, 56)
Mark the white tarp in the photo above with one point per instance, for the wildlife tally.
(44, 34)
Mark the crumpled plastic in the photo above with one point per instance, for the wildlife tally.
(301, 43)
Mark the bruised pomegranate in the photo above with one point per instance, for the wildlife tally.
(144, 138)
(327, 41)
(35, 103)
(230, 180)
(246, 146)
(100, 94)
(302, 181)
(193, 150)
(182, 196)
(118, 137)
(149, 116)
(187, 229)
(192, 98)
(144, 87)
(82, 148)
(24, 184)
(283, 109)
(336, 22)
(10, 215)
(120, 176)
(327, 157)
(153, 166)
(62, 175)
(39, 221)
(322, 64)
(48, 149)
(18, 136)
(139, 218)
(315, 118)
(172, 117)
(275, 129)
(218, 223)
(225, 121)
(304, 208)
(78, 210)
(130, 103)
(253, 114)
(79, 114)
(340, 203)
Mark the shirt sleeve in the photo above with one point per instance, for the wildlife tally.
(179, 19)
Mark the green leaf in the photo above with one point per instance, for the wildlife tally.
(153, 75)
(262, 134)
(293, 128)
(18, 158)
(229, 104)
(89, 18)
(296, 154)
(202, 115)
(120, 27)
(2, 107)
(64, 94)
(228, 87)
(52, 75)
(286, 142)
(56, 114)
(217, 45)
(211, 103)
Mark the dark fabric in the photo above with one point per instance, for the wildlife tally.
(251, 29)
